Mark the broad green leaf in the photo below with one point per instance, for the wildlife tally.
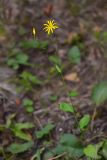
(70, 140)
(71, 152)
(99, 93)
(22, 58)
(73, 93)
(27, 102)
(30, 109)
(84, 121)
(104, 150)
(19, 148)
(45, 131)
(91, 151)
(70, 145)
(74, 55)
(66, 107)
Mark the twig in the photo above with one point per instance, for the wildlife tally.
(57, 156)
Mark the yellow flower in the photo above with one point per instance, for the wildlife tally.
(50, 26)
(34, 31)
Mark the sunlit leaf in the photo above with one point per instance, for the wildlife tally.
(66, 107)
(84, 121)
(91, 151)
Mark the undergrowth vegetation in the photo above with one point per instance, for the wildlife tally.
(40, 142)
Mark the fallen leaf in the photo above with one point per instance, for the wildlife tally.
(97, 29)
(72, 77)
(17, 101)
(48, 9)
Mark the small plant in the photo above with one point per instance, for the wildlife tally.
(44, 131)
(18, 59)
(28, 104)
(28, 80)
(33, 43)
(73, 93)
(17, 128)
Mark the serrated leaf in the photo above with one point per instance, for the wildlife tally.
(66, 107)
(46, 130)
(99, 93)
(74, 55)
(84, 121)
(91, 151)
(70, 145)
(19, 148)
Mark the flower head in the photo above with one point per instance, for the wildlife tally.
(34, 31)
(50, 26)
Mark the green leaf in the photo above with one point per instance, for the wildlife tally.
(12, 63)
(22, 58)
(70, 140)
(99, 93)
(29, 77)
(45, 131)
(32, 43)
(30, 109)
(17, 59)
(73, 94)
(91, 151)
(74, 55)
(22, 135)
(104, 150)
(55, 59)
(17, 130)
(26, 125)
(27, 102)
(53, 98)
(84, 121)
(70, 145)
(58, 69)
(19, 148)
(66, 107)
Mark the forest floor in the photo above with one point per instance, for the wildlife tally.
(76, 28)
